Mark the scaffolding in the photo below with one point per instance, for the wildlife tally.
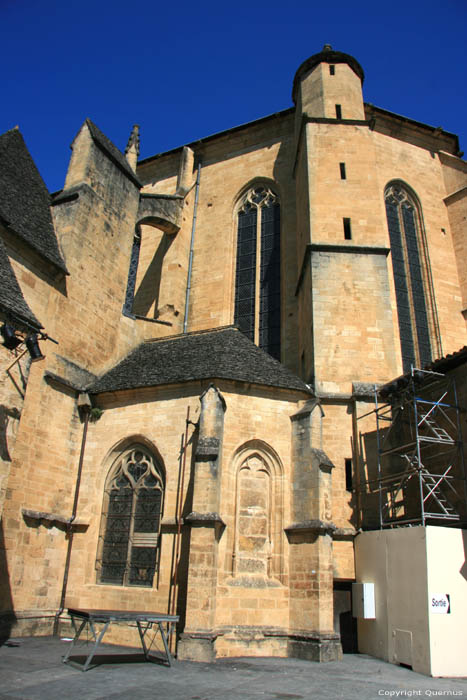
(420, 476)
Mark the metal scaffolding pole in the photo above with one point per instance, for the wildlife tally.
(420, 475)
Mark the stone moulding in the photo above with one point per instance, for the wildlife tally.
(344, 534)
(364, 390)
(55, 518)
(206, 520)
(210, 636)
(163, 211)
(250, 632)
(322, 527)
(315, 646)
(313, 636)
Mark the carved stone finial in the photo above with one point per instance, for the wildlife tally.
(327, 47)
(133, 141)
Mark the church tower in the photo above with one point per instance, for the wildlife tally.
(329, 85)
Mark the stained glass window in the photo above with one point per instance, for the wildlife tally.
(129, 543)
(258, 289)
(409, 269)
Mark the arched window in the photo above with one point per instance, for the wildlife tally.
(131, 516)
(258, 285)
(411, 276)
(258, 530)
(145, 273)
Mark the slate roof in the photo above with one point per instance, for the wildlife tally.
(451, 361)
(12, 302)
(112, 151)
(24, 198)
(219, 354)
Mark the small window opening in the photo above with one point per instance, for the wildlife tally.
(332, 70)
(338, 112)
(348, 475)
(347, 229)
(343, 173)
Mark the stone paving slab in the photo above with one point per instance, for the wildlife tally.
(34, 671)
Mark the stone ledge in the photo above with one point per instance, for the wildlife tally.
(248, 632)
(313, 636)
(344, 534)
(253, 581)
(53, 518)
(364, 390)
(206, 519)
(317, 647)
(320, 526)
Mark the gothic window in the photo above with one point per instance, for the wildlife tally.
(257, 294)
(254, 544)
(130, 529)
(411, 276)
(257, 548)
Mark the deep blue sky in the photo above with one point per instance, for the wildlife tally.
(184, 70)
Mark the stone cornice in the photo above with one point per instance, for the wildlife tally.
(204, 519)
(322, 527)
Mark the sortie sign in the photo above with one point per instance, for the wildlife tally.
(440, 603)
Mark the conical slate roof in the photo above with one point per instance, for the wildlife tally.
(219, 354)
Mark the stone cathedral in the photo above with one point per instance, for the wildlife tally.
(186, 341)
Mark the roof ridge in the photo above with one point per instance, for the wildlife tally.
(190, 333)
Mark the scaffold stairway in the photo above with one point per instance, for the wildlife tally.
(440, 434)
(431, 484)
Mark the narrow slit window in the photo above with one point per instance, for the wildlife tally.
(332, 70)
(343, 173)
(348, 475)
(131, 283)
(347, 229)
(338, 112)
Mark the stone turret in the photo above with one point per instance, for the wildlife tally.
(329, 85)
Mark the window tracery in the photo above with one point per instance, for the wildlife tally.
(257, 546)
(411, 277)
(131, 517)
(257, 295)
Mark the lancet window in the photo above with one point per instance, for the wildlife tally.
(258, 286)
(131, 517)
(257, 547)
(411, 277)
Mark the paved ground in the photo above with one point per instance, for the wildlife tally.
(33, 670)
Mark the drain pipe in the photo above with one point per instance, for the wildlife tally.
(85, 404)
(190, 261)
